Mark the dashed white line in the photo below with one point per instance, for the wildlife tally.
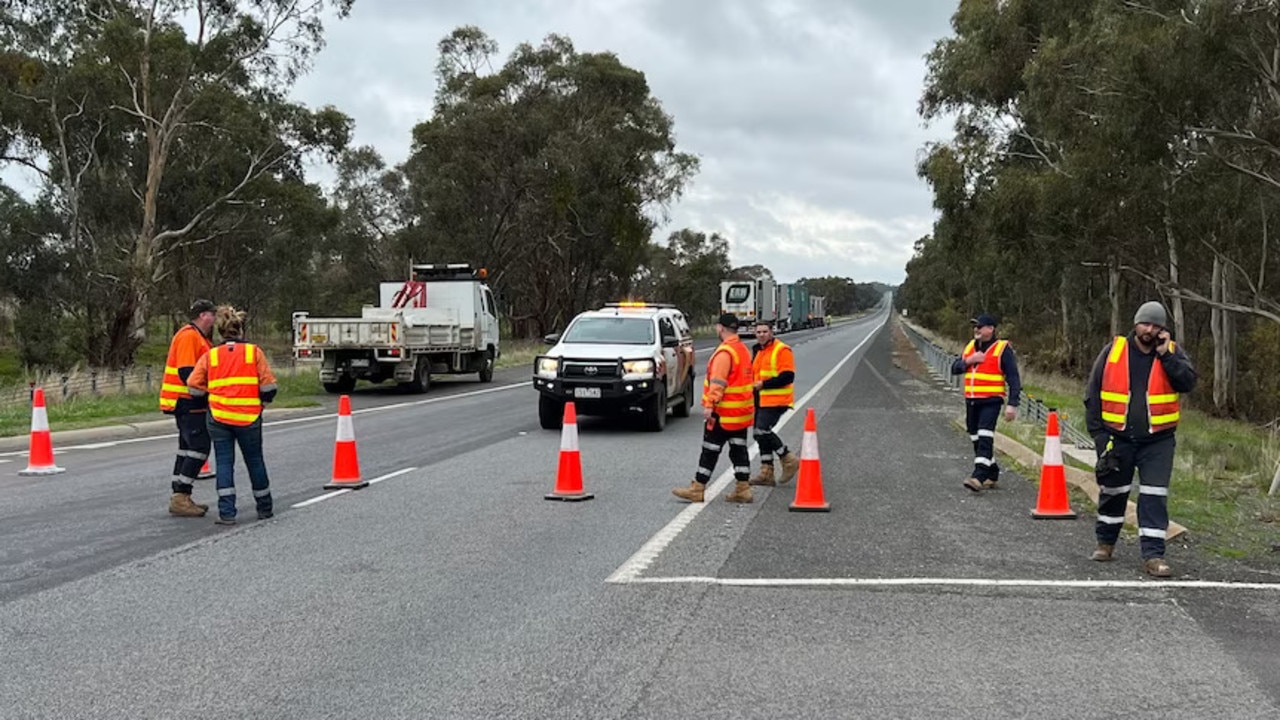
(954, 582)
(630, 570)
(335, 493)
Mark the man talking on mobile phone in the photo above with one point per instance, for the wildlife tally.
(1132, 410)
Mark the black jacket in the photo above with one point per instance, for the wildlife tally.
(1182, 376)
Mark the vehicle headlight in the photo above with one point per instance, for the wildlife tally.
(637, 367)
(547, 367)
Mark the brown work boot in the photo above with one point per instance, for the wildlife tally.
(1102, 553)
(973, 484)
(693, 493)
(180, 504)
(1156, 567)
(764, 477)
(990, 484)
(741, 492)
(790, 466)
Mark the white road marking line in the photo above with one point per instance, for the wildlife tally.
(388, 476)
(630, 570)
(344, 491)
(317, 499)
(309, 418)
(953, 582)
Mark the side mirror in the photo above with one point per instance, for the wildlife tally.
(670, 341)
(551, 339)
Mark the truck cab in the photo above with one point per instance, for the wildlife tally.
(751, 301)
(624, 358)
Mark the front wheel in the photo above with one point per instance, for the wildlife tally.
(486, 369)
(656, 418)
(550, 413)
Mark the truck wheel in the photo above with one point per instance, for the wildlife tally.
(421, 377)
(656, 418)
(345, 384)
(686, 402)
(550, 413)
(486, 369)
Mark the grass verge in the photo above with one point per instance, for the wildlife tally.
(296, 390)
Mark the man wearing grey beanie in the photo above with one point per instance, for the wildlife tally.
(1132, 410)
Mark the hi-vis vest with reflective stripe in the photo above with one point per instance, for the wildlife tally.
(173, 387)
(737, 408)
(1162, 400)
(986, 379)
(766, 367)
(233, 384)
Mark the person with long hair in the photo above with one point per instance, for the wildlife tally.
(237, 379)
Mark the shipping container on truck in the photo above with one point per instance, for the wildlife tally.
(793, 307)
(751, 301)
(817, 311)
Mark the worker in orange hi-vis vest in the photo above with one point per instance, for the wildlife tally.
(1132, 409)
(728, 407)
(774, 368)
(988, 366)
(188, 345)
(238, 381)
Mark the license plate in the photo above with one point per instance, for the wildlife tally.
(319, 337)
(360, 362)
(586, 392)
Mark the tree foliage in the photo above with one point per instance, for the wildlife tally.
(1106, 153)
(170, 166)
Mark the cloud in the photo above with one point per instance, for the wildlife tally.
(803, 112)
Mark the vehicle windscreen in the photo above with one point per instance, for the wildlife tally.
(612, 331)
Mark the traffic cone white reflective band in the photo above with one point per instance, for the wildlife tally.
(1052, 450)
(40, 452)
(569, 437)
(809, 446)
(346, 429)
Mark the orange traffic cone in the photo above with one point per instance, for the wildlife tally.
(1053, 501)
(346, 465)
(809, 496)
(40, 454)
(206, 472)
(569, 475)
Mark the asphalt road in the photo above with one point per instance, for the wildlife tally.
(110, 506)
(455, 590)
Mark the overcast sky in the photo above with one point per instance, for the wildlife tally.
(803, 112)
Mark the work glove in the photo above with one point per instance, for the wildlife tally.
(1107, 463)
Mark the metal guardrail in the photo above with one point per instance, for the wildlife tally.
(939, 361)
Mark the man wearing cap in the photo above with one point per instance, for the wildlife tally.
(728, 406)
(988, 366)
(1132, 410)
(189, 344)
